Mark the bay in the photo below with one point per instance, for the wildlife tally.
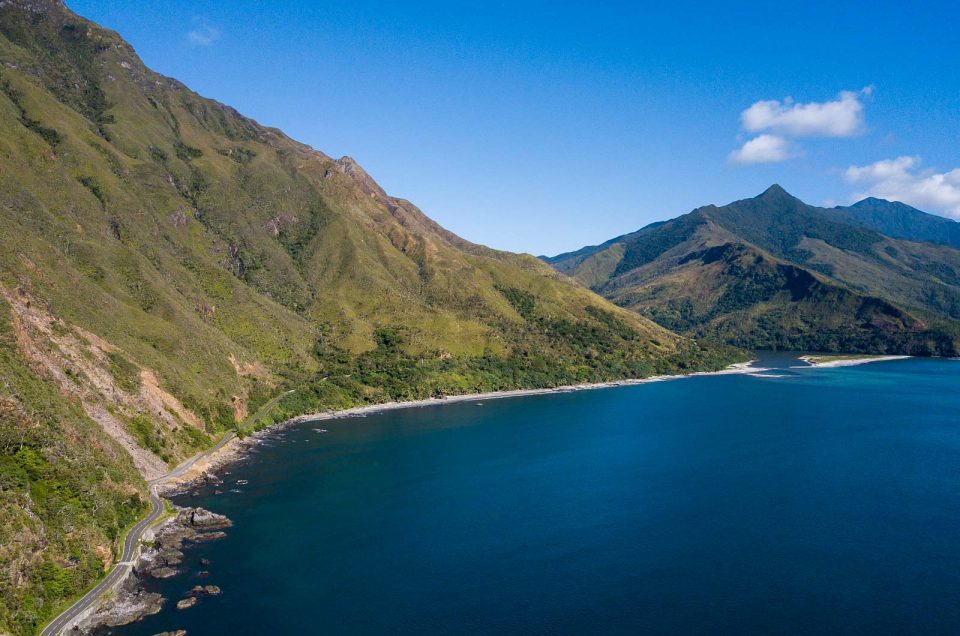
(800, 500)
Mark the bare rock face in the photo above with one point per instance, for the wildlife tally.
(202, 519)
(163, 573)
(130, 604)
(187, 602)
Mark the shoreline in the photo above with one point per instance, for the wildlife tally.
(235, 449)
(848, 362)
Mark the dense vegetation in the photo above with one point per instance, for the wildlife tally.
(597, 351)
(66, 493)
(774, 273)
(169, 266)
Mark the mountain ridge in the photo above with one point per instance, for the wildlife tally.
(900, 220)
(891, 294)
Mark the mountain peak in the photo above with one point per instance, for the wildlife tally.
(775, 191)
(874, 202)
(35, 6)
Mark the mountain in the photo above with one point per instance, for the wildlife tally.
(168, 265)
(774, 272)
(899, 220)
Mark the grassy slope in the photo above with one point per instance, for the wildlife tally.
(171, 265)
(774, 272)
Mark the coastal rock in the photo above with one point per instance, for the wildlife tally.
(127, 606)
(200, 518)
(190, 524)
(186, 603)
(204, 561)
(169, 557)
(179, 632)
(163, 551)
(163, 573)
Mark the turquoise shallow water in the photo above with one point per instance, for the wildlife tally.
(818, 501)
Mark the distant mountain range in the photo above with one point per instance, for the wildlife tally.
(899, 220)
(775, 272)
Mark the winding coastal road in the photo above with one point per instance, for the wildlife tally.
(131, 543)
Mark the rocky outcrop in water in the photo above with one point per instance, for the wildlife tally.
(186, 603)
(131, 603)
(161, 557)
(190, 525)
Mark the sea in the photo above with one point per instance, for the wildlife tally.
(796, 500)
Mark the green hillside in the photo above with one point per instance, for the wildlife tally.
(168, 265)
(774, 272)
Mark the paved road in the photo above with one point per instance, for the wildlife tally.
(185, 466)
(131, 543)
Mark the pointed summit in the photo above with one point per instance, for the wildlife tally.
(775, 192)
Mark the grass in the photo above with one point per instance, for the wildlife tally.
(168, 512)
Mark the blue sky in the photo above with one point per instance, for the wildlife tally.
(542, 127)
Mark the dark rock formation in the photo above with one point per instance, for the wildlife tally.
(159, 560)
(131, 603)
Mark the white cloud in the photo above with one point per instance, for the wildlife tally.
(842, 117)
(204, 35)
(901, 179)
(775, 123)
(762, 149)
(882, 170)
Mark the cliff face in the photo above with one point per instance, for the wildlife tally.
(168, 265)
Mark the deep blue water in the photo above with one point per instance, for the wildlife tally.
(822, 501)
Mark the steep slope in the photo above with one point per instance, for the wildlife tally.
(168, 265)
(774, 272)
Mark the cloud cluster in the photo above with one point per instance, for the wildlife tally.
(842, 117)
(901, 179)
(204, 35)
(780, 121)
(762, 149)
